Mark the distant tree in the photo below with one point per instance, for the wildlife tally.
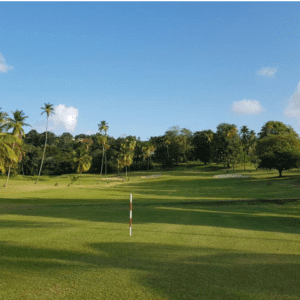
(147, 150)
(185, 142)
(16, 124)
(87, 143)
(48, 109)
(276, 128)
(103, 128)
(202, 141)
(32, 138)
(7, 155)
(226, 145)
(234, 147)
(81, 161)
(251, 150)
(32, 159)
(3, 120)
(65, 140)
(81, 136)
(245, 137)
(102, 141)
(280, 152)
(127, 152)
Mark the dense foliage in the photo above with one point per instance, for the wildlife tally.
(275, 147)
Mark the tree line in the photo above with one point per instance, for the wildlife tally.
(277, 146)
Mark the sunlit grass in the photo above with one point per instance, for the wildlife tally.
(60, 242)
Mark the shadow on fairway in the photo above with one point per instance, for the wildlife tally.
(29, 224)
(176, 272)
(265, 217)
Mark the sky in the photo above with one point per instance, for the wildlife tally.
(144, 67)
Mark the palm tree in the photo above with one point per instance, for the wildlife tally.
(230, 132)
(81, 161)
(102, 140)
(127, 148)
(6, 152)
(48, 109)
(3, 120)
(245, 141)
(148, 149)
(103, 128)
(16, 123)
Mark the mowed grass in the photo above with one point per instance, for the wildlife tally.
(190, 239)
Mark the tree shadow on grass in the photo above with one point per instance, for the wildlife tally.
(171, 272)
(272, 218)
(29, 224)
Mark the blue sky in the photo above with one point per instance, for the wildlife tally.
(144, 67)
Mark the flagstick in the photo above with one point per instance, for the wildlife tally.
(130, 216)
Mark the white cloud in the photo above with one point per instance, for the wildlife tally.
(293, 108)
(65, 117)
(247, 107)
(267, 72)
(4, 67)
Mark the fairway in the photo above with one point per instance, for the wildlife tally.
(192, 237)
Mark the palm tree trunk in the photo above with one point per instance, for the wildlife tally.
(9, 169)
(102, 160)
(105, 165)
(148, 166)
(101, 164)
(244, 161)
(43, 153)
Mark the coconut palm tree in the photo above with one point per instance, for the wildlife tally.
(127, 148)
(245, 141)
(6, 152)
(48, 109)
(103, 128)
(16, 123)
(3, 120)
(81, 161)
(102, 140)
(147, 150)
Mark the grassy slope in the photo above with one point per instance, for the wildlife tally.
(55, 246)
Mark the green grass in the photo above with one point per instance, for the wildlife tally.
(190, 239)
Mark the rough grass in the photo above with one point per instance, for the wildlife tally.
(59, 242)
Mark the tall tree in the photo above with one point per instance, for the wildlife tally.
(102, 139)
(148, 150)
(127, 152)
(252, 146)
(16, 124)
(103, 128)
(245, 137)
(48, 109)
